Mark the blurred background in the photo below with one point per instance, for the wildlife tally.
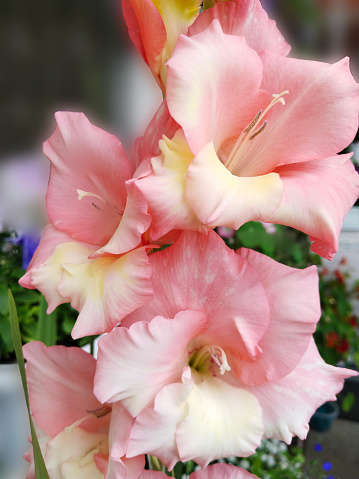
(76, 55)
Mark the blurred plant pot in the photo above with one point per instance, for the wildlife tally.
(324, 416)
(351, 386)
(14, 422)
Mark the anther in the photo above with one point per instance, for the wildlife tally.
(102, 411)
(97, 207)
(256, 133)
(253, 122)
(220, 360)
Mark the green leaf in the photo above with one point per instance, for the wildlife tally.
(208, 4)
(40, 468)
(47, 328)
(348, 402)
(4, 301)
(356, 359)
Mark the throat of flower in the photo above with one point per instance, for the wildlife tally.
(201, 360)
(252, 131)
(104, 204)
(103, 411)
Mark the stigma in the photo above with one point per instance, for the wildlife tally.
(220, 358)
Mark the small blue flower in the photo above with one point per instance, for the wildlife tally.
(327, 466)
(318, 447)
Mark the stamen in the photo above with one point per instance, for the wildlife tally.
(97, 207)
(256, 133)
(253, 122)
(77, 423)
(102, 411)
(221, 361)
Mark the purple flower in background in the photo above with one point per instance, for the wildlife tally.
(327, 466)
(318, 447)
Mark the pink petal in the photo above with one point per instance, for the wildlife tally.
(320, 116)
(134, 364)
(51, 238)
(134, 223)
(211, 95)
(149, 37)
(187, 276)
(147, 146)
(84, 157)
(120, 429)
(289, 403)
(317, 196)
(245, 18)
(223, 471)
(155, 428)
(106, 289)
(222, 420)
(153, 475)
(60, 383)
(165, 189)
(233, 200)
(294, 311)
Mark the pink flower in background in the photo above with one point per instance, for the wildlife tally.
(220, 358)
(216, 471)
(75, 430)
(258, 140)
(91, 253)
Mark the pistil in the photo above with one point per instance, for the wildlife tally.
(201, 358)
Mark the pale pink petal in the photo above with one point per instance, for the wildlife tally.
(148, 145)
(120, 430)
(153, 475)
(317, 196)
(233, 200)
(155, 428)
(214, 96)
(135, 364)
(86, 158)
(244, 18)
(134, 223)
(223, 420)
(106, 289)
(223, 471)
(60, 383)
(149, 37)
(51, 238)
(319, 118)
(294, 311)
(187, 276)
(289, 403)
(165, 189)
(70, 454)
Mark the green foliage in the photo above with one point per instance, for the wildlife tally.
(40, 468)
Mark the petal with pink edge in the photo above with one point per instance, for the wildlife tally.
(294, 311)
(106, 289)
(86, 194)
(51, 238)
(187, 276)
(60, 383)
(245, 18)
(317, 196)
(233, 200)
(224, 471)
(148, 37)
(134, 223)
(289, 403)
(223, 420)
(135, 364)
(155, 428)
(165, 189)
(319, 118)
(211, 95)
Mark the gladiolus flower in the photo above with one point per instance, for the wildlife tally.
(91, 254)
(258, 141)
(220, 358)
(75, 431)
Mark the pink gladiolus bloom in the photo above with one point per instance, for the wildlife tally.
(154, 27)
(75, 431)
(220, 358)
(259, 139)
(216, 471)
(92, 253)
